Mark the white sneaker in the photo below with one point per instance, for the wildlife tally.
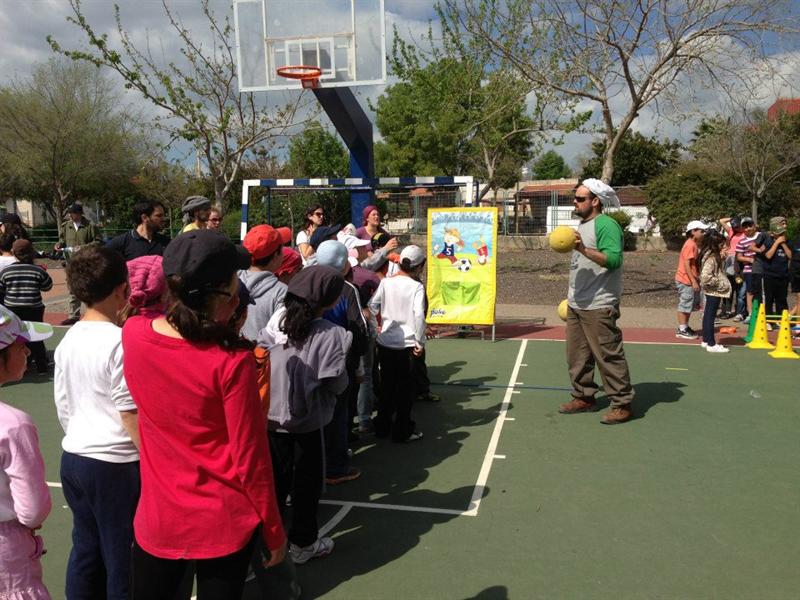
(703, 345)
(322, 547)
(717, 349)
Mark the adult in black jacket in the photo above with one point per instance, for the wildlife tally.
(144, 239)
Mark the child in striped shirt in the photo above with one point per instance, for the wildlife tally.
(21, 287)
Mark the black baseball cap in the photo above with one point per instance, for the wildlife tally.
(318, 285)
(75, 208)
(203, 258)
(380, 239)
(323, 233)
(747, 221)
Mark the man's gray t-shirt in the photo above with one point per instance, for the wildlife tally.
(590, 285)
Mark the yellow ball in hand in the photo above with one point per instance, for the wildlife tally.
(562, 310)
(562, 239)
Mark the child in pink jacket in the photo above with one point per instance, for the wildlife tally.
(24, 497)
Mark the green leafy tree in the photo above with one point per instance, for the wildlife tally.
(621, 56)
(551, 165)
(65, 138)
(446, 118)
(637, 159)
(197, 98)
(316, 152)
(689, 192)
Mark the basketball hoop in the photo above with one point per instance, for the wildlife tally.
(307, 75)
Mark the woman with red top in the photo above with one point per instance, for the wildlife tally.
(207, 487)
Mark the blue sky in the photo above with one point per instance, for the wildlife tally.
(26, 23)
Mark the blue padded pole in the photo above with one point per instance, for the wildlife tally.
(355, 129)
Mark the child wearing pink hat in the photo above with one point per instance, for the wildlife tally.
(148, 288)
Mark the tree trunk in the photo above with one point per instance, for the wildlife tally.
(754, 209)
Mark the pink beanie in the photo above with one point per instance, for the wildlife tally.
(367, 210)
(147, 281)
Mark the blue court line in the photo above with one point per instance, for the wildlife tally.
(518, 387)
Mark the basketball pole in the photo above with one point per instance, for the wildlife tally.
(355, 129)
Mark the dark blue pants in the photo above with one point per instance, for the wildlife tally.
(103, 498)
(337, 461)
(709, 314)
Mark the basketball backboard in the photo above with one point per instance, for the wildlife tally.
(346, 39)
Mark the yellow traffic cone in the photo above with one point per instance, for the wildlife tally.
(760, 340)
(784, 343)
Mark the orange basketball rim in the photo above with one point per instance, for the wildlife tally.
(307, 75)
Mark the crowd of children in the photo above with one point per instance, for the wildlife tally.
(723, 269)
(226, 383)
(271, 387)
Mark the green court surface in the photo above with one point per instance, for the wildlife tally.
(696, 498)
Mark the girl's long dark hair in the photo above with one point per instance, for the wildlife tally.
(192, 315)
(296, 323)
(711, 246)
(310, 211)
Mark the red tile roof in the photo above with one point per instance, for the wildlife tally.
(790, 106)
(629, 195)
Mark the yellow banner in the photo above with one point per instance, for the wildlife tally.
(462, 274)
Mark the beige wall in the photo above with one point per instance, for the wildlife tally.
(32, 214)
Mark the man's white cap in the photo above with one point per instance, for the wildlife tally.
(351, 241)
(414, 254)
(608, 197)
(696, 225)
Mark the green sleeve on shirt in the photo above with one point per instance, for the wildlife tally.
(609, 240)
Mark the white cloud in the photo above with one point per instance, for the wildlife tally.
(26, 24)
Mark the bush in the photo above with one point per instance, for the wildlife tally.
(624, 220)
(690, 192)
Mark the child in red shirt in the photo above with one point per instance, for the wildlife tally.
(207, 487)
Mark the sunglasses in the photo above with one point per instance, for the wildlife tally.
(581, 198)
(215, 220)
(319, 214)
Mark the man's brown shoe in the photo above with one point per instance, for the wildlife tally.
(617, 414)
(577, 405)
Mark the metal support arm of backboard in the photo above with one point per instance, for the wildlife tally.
(355, 128)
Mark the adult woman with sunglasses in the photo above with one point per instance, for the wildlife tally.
(214, 219)
(315, 217)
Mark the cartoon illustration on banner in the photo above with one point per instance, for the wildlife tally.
(462, 246)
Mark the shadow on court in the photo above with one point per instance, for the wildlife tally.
(391, 472)
(376, 538)
(652, 393)
(496, 592)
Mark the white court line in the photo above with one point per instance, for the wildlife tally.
(401, 507)
(335, 520)
(54, 484)
(486, 467)
(480, 484)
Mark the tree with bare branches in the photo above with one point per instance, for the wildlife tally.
(623, 55)
(759, 153)
(197, 95)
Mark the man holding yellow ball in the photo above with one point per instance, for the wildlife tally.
(595, 287)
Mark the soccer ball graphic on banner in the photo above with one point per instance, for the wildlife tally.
(463, 265)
